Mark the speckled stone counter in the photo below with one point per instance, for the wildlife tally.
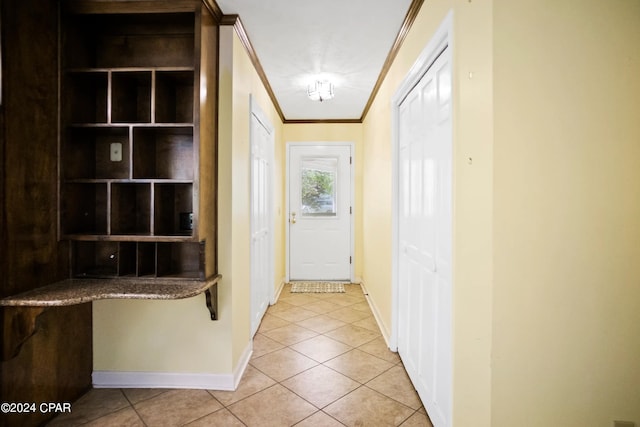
(79, 291)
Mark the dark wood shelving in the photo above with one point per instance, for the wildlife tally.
(137, 171)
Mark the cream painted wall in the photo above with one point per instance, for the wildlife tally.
(336, 132)
(546, 234)
(472, 56)
(235, 162)
(566, 326)
(178, 336)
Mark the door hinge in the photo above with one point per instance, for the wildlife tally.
(350, 160)
(351, 210)
(350, 260)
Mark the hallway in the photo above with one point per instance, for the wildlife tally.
(318, 360)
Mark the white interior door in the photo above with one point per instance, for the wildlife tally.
(425, 236)
(320, 212)
(262, 146)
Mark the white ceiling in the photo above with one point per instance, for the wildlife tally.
(298, 41)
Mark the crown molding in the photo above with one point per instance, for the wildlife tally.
(236, 22)
(214, 9)
(409, 19)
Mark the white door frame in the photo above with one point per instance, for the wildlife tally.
(256, 111)
(351, 145)
(442, 38)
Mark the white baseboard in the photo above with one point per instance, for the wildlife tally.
(242, 364)
(225, 382)
(121, 379)
(279, 291)
(376, 314)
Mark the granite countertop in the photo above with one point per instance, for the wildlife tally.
(79, 291)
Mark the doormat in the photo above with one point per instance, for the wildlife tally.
(317, 287)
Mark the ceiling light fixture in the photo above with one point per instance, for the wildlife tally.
(320, 90)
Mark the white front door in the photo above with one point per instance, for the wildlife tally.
(261, 221)
(425, 236)
(320, 212)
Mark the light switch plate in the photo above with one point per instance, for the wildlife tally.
(115, 153)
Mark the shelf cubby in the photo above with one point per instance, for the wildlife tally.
(178, 260)
(174, 97)
(131, 97)
(96, 259)
(146, 259)
(87, 153)
(131, 40)
(127, 259)
(163, 153)
(86, 96)
(130, 209)
(84, 208)
(173, 209)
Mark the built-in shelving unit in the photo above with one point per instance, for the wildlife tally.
(137, 180)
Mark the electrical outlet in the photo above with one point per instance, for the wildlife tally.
(115, 153)
(624, 424)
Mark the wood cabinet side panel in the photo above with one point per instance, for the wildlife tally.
(208, 121)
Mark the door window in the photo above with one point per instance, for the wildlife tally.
(318, 185)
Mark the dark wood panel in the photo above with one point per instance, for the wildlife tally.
(53, 365)
(205, 211)
(54, 361)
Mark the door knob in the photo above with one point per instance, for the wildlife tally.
(293, 217)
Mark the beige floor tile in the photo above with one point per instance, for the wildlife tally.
(374, 409)
(359, 366)
(290, 334)
(321, 348)
(417, 420)
(136, 395)
(275, 406)
(353, 335)
(94, 404)
(322, 307)
(252, 382)
(321, 323)
(320, 385)
(362, 306)
(299, 299)
(280, 306)
(263, 345)
(369, 323)
(319, 419)
(327, 295)
(353, 288)
(221, 418)
(348, 315)
(295, 314)
(269, 322)
(283, 364)
(124, 417)
(344, 300)
(395, 384)
(177, 407)
(378, 347)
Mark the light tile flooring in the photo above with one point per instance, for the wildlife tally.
(318, 360)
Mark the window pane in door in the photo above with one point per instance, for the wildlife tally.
(318, 187)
